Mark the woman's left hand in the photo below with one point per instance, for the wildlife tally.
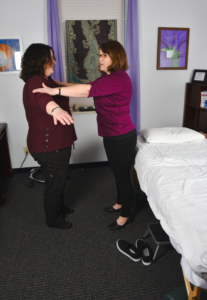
(46, 90)
(63, 117)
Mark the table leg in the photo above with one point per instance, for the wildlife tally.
(2, 197)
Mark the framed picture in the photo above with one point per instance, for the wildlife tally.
(83, 39)
(10, 55)
(199, 76)
(172, 50)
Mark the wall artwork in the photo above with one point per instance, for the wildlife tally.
(10, 55)
(199, 76)
(172, 51)
(83, 40)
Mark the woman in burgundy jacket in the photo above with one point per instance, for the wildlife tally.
(51, 132)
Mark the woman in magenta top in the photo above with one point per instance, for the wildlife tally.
(112, 95)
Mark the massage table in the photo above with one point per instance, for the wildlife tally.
(174, 178)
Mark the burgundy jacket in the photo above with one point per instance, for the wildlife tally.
(43, 134)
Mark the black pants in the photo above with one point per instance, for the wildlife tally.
(120, 154)
(54, 166)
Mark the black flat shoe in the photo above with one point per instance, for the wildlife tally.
(129, 250)
(111, 209)
(116, 226)
(59, 225)
(67, 210)
(147, 253)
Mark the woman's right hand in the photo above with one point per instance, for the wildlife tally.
(63, 117)
(47, 90)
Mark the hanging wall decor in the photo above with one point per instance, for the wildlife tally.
(83, 40)
(199, 76)
(172, 51)
(10, 55)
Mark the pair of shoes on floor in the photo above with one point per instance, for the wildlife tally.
(141, 251)
(111, 209)
(116, 226)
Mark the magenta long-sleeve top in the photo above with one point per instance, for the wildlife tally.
(112, 95)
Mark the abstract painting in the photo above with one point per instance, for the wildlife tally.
(10, 55)
(172, 52)
(83, 40)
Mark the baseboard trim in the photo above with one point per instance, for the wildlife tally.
(71, 166)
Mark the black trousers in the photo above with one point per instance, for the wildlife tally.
(54, 166)
(120, 154)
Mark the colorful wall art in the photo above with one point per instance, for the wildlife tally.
(10, 55)
(172, 53)
(83, 41)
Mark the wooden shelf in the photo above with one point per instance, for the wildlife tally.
(5, 162)
(190, 123)
(191, 105)
(195, 117)
(199, 107)
(75, 112)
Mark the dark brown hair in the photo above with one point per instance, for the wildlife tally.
(117, 54)
(34, 60)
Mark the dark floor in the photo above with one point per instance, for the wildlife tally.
(38, 262)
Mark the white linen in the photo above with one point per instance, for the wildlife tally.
(170, 135)
(174, 178)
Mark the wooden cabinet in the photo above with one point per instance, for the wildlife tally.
(5, 162)
(195, 117)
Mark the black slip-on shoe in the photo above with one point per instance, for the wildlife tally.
(140, 244)
(116, 226)
(66, 210)
(129, 250)
(59, 225)
(146, 252)
(147, 256)
(111, 209)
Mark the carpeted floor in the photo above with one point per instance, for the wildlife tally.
(82, 263)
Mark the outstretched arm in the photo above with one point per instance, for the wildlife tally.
(77, 90)
(59, 83)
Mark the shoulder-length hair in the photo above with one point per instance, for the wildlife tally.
(34, 60)
(117, 54)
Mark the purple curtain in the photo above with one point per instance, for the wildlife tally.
(53, 29)
(132, 50)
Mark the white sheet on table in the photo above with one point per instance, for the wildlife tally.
(174, 178)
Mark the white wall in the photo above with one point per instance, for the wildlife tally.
(27, 19)
(162, 92)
